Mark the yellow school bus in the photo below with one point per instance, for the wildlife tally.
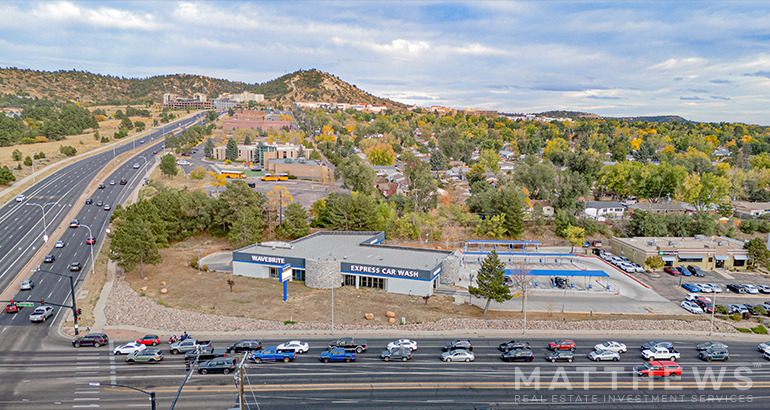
(275, 177)
(234, 174)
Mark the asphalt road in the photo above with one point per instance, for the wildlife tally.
(53, 374)
(23, 224)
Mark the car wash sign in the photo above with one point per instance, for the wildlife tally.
(386, 270)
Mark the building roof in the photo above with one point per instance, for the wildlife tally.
(698, 243)
(660, 206)
(604, 204)
(299, 161)
(755, 206)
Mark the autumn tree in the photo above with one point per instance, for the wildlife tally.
(381, 154)
(279, 198)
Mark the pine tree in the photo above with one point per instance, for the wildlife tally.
(134, 244)
(168, 165)
(438, 161)
(491, 283)
(208, 149)
(246, 140)
(231, 152)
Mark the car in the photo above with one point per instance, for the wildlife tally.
(91, 339)
(657, 343)
(49, 259)
(74, 266)
(736, 309)
(145, 356)
(663, 368)
(41, 314)
(99, 203)
(89, 201)
(403, 344)
(136, 166)
(12, 307)
(560, 282)
(705, 288)
(672, 271)
(513, 345)
(296, 345)
(155, 152)
(605, 255)
(692, 297)
(246, 345)
(123, 182)
(714, 354)
(716, 288)
(398, 353)
(219, 365)
(128, 348)
(458, 355)
(767, 355)
(101, 185)
(628, 267)
(59, 244)
(90, 240)
(74, 223)
(707, 306)
(691, 307)
(690, 287)
(696, 271)
(107, 207)
(604, 355)
(112, 182)
(151, 340)
(337, 354)
(524, 355)
(141, 142)
(560, 356)
(750, 308)
(711, 345)
(27, 284)
(458, 344)
(734, 287)
(612, 346)
(764, 347)
(562, 344)
(20, 198)
(751, 289)
(763, 288)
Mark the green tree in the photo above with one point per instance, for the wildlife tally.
(134, 244)
(295, 225)
(140, 125)
(125, 122)
(16, 155)
(246, 140)
(539, 179)
(702, 191)
(230, 112)
(510, 202)
(315, 155)
(171, 141)
(422, 185)
(6, 176)
(491, 282)
(198, 173)
(211, 116)
(168, 165)
(208, 149)
(576, 236)
(647, 223)
(28, 161)
(438, 161)
(247, 229)
(97, 137)
(231, 152)
(490, 159)
(356, 176)
(758, 252)
(654, 262)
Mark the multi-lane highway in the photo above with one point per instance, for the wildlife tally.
(60, 376)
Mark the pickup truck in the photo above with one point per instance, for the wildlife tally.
(349, 344)
(272, 354)
(188, 345)
(337, 354)
(206, 353)
(660, 353)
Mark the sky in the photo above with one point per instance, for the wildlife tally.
(708, 62)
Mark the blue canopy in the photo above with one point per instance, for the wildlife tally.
(559, 272)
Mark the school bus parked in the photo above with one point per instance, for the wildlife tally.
(234, 174)
(275, 177)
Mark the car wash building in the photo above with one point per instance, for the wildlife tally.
(332, 259)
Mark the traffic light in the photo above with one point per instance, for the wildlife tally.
(80, 312)
(42, 302)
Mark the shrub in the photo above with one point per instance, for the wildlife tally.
(205, 268)
(720, 309)
(41, 155)
(67, 150)
(228, 162)
(36, 156)
(736, 317)
(758, 310)
(760, 330)
(292, 176)
(41, 138)
(17, 155)
(27, 140)
(289, 322)
(28, 161)
(743, 330)
(194, 262)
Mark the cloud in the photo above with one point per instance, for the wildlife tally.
(716, 97)
(690, 98)
(596, 97)
(678, 79)
(718, 81)
(694, 90)
(765, 74)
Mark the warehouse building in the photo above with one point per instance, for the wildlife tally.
(332, 259)
(706, 252)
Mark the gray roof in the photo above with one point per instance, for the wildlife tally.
(665, 205)
(352, 247)
(294, 161)
(604, 204)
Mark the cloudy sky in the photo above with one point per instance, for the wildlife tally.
(704, 61)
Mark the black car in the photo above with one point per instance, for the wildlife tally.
(458, 344)
(246, 345)
(89, 201)
(91, 339)
(560, 356)
(123, 182)
(696, 271)
(48, 259)
(524, 355)
(206, 353)
(657, 343)
(513, 345)
(222, 365)
(101, 185)
(734, 287)
(397, 354)
(560, 282)
(74, 266)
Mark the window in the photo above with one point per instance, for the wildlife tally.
(349, 280)
(275, 273)
(298, 274)
(368, 282)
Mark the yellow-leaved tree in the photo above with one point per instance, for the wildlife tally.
(278, 199)
(381, 154)
(219, 180)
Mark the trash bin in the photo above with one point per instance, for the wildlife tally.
(403, 320)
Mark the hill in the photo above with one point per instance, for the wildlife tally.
(85, 87)
(654, 118)
(567, 114)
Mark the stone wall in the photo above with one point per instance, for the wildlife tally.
(450, 269)
(317, 274)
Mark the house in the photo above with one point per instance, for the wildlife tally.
(750, 210)
(505, 154)
(602, 210)
(548, 210)
(665, 207)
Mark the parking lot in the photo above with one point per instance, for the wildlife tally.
(670, 287)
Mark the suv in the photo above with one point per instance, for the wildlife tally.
(224, 365)
(101, 185)
(696, 270)
(714, 354)
(662, 368)
(244, 346)
(48, 259)
(562, 344)
(525, 355)
(396, 354)
(457, 344)
(74, 223)
(560, 282)
(91, 339)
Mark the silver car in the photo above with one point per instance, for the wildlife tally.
(27, 284)
(458, 355)
(41, 313)
(602, 355)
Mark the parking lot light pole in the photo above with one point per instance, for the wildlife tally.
(149, 393)
(72, 292)
(332, 275)
(713, 309)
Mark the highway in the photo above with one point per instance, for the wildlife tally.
(53, 374)
(57, 194)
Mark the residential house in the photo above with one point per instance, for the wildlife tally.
(603, 210)
(750, 210)
(664, 207)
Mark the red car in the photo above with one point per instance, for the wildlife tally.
(149, 340)
(562, 344)
(90, 241)
(12, 308)
(662, 368)
(707, 307)
(672, 270)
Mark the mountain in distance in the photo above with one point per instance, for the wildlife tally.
(577, 115)
(85, 87)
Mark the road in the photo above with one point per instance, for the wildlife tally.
(53, 374)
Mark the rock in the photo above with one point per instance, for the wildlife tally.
(390, 315)
(163, 283)
(144, 288)
(369, 316)
(164, 291)
(392, 320)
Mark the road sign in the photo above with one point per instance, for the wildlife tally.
(25, 304)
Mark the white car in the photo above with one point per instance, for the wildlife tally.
(763, 288)
(136, 166)
(296, 345)
(606, 256)
(764, 347)
(751, 289)
(612, 346)
(458, 355)
(403, 344)
(716, 288)
(19, 198)
(691, 307)
(705, 288)
(602, 355)
(129, 348)
(59, 244)
(638, 268)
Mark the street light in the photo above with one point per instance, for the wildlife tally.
(332, 275)
(42, 207)
(713, 309)
(72, 292)
(150, 393)
(90, 235)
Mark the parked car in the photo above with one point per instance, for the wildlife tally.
(612, 346)
(711, 345)
(458, 344)
(763, 288)
(513, 345)
(707, 306)
(638, 268)
(737, 309)
(562, 344)
(714, 354)
(560, 356)
(751, 289)
(144, 356)
(696, 271)
(603, 355)
(128, 348)
(734, 287)
(716, 288)
(398, 353)
(691, 287)
(403, 344)
(296, 345)
(458, 355)
(150, 340)
(91, 339)
(671, 270)
(27, 284)
(692, 297)
(691, 307)
(705, 288)
(524, 355)
(663, 368)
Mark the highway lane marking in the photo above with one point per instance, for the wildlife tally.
(32, 243)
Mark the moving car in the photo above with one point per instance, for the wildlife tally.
(458, 344)
(107, 207)
(41, 314)
(602, 355)
(691, 307)
(524, 355)
(458, 355)
(657, 343)
(224, 365)
(296, 345)
(27, 284)
(136, 166)
(764, 347)
(398, 353)
(247, 345)
(112, 182)
(144, 356)
(714, 354)
(91, 339)
(48, 259)
(128, 348)
(74, 266)
(89, 201)
(562, 344)
(59, 244)
(74, 223)
(101, 185)
(711, 345)
(663, 368)
(513, 345)
(560, 356)
(123, 182)
(660, 353)
(20, 198)
(612, 346)
(150, 340)
(99, 203)
(11, 307)
(403, 344)
(90, 240)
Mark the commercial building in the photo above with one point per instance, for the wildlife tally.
(332, 259)
(706, 252)
(198, 101)
(238, 124)
(301, 168)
